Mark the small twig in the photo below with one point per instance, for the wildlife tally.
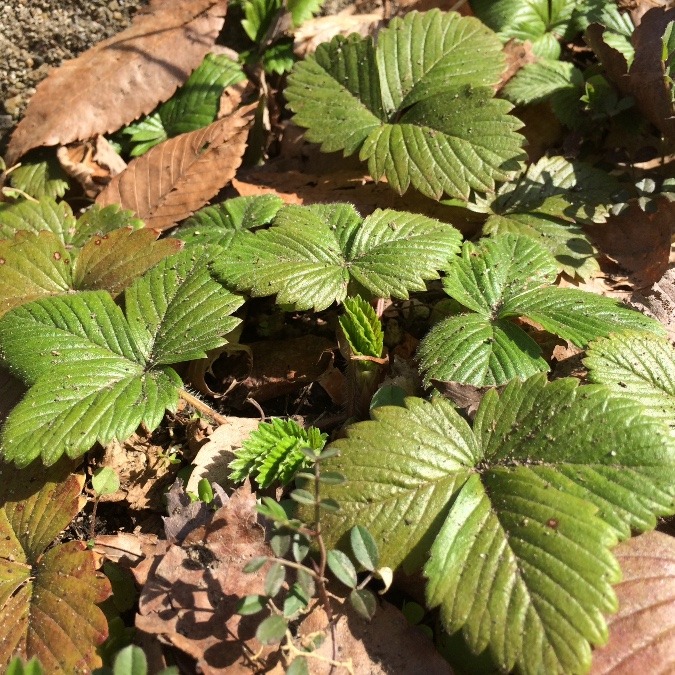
(203, 408)
(258, 407)
(457, 6)
(92, 521)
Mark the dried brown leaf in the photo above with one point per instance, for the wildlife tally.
(173, 179)
(642, 633)
(191, 591)
(121, 78)
(324, 28)
(659, 302)
(214, 456)
(91, 163)
(638, 242)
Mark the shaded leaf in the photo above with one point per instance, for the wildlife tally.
(174, 179)
(130, 661)
(40, 175)
(342, 567)
(272, 630)
(364, 548)
(311, 254)
(364, 602)
(142, 66)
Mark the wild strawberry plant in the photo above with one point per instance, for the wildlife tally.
(512, 517)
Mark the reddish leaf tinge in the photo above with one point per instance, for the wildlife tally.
(121, 78)
(48, 599)
(171, 181)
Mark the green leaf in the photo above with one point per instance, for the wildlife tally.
(18, 667)
(272, 452)
(538, 81)
(258, 15)
(542, 22)
(299, 666)
(301, 10)
(55, 217)
(404, 104)
(105, 481)
(640, 366)
(40, 175)
(101, 220)
(223, 223)
(96, 374)
(311, 255)
(519, 513)
(251, 604)
(364, 548)
(195, 104)
(342, 567)
(362, 328)
(145, 134)
(547, 203)
(506, 277)
(272, 630)
(130, 661)
(274, 580)
(279, 57)
(364, 602)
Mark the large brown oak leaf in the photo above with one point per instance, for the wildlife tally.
(121, 78)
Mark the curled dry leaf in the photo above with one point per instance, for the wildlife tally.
(214, 456)
(173, 179)
(121, 78)
(642, 633)
(324, 28)
(91, 163)
(190, 592)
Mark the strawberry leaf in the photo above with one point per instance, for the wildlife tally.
(40, 175)
(96, 374)
(404, 104)
(48, 597)
(221, 224)
(311, 255)
(519, 513)
(506, 277)
(642, 366)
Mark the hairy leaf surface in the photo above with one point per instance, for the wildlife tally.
(519, 514)
(311, 255)
(404, 102)
(642, 366)
(222, 223)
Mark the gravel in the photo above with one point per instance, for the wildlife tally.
(37, 35)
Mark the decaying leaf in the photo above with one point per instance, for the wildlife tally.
(121, 78)
(659, 302)
(215, 455)
(642, 633)
(91, 163)
(171, 181)
(48, 597)
(637, 241)
(190, 592)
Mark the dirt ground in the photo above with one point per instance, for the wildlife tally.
(37, 35)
